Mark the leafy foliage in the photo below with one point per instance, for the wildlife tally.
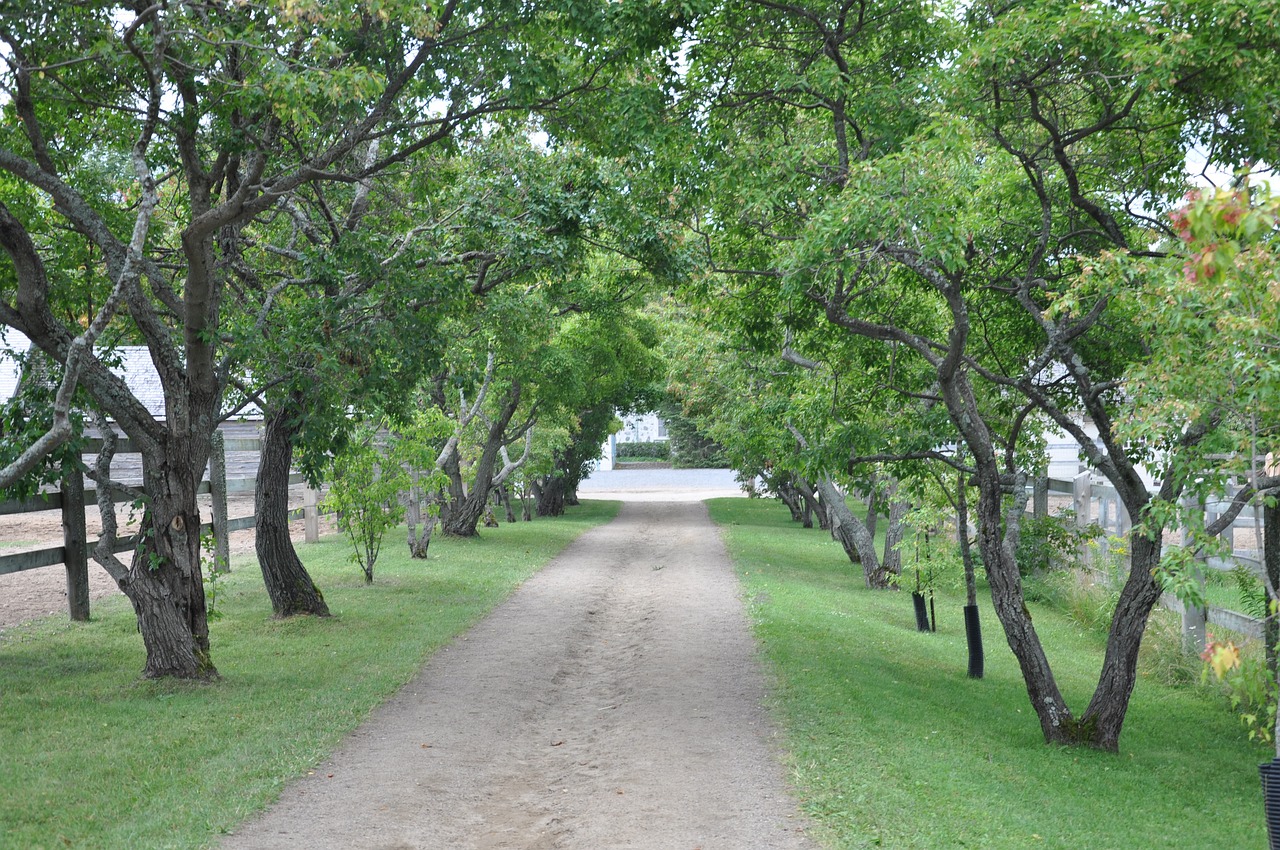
(365, 493)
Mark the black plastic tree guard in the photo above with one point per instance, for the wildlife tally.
(922, 611)
(973, 633)
(1271, 800)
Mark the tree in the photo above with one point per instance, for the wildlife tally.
(365, 494)
(240, 106)
(950, 238)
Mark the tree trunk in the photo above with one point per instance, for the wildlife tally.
(1271, 563)
(812, 504)
(1056, 721)
(892, 563)
(873, 508)
(1102, 721)
(551, 496)
(791, 498)
(288, 583)
(465, 513)
(504, 493)
(165, 583)
(852, 535)
(972, 622)
(998, 541)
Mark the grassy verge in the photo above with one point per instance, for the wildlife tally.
(91, 756)
(893, 746)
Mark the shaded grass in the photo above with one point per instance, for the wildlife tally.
(92, 756)
(891, 745)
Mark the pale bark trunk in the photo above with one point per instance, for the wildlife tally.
(852, 534)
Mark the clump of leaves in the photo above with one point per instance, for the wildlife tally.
(365, 494)
(1247, 684)
(1051, 542)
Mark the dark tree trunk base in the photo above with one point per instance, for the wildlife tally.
(288, 583)
(973, 637)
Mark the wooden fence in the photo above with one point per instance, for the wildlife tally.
(1095, 501)
(72, 496)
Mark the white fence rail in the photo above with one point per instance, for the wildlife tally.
(1095, 501)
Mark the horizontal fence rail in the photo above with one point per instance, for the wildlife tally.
(72, 497)
(1096, 501)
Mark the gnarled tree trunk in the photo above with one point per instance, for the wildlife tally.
(465, 513)
(551, 496)
(164, 582)
(852, 534)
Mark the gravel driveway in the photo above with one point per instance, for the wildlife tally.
(614, 701)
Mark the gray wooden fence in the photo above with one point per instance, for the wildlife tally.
(1095, 501)
(72, 496)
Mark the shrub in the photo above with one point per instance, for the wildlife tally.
(1051, 542)
(1246, 682)
(660, 450)
(365, 495)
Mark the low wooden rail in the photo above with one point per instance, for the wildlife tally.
(72, 496)
(1097, 502)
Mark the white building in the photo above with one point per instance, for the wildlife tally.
(636, 428)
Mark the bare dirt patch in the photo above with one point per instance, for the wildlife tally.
(613, 701)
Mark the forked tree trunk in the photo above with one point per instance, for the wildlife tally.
(465, 513)
(812, 505)
(289, 585)
(792, 499)
(551, 496)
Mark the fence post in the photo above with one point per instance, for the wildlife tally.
(1195, 619)
(75, 543)
(1040, 497)
(218, 490)
(310, 515)
(1081, 497)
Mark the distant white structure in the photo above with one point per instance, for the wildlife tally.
(636, 428)
(642, 428)
(132, 362)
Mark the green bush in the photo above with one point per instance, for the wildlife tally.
(660, 450)
(1051, 542)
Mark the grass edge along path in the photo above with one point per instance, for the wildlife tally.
(891, 745)
(91, 756)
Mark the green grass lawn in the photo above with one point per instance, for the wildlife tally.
(91, 756)
(891, 745)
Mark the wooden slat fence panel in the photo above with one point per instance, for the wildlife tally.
(76, 539)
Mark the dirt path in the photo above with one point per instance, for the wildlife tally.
(613, 701)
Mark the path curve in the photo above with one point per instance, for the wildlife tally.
(613, 701)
